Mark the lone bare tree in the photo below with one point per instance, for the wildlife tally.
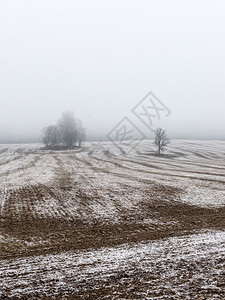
(161, 140)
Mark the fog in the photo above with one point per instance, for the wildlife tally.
(100, 58)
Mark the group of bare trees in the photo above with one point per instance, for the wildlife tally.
(68, 132)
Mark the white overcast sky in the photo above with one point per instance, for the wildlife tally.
(100, 58)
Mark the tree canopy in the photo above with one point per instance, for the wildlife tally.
(67, 132)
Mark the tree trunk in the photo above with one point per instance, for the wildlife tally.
(158, 150)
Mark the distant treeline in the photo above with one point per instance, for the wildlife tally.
(67, 133)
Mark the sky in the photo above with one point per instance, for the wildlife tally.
(101, 58)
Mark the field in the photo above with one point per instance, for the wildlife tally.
(104, 222)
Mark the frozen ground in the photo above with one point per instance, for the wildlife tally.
(113, 222)
(175, 268)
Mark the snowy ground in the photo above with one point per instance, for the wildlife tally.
(179, 268)
(107, 222)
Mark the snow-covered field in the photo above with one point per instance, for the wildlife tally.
(173, 268)
(108, 222)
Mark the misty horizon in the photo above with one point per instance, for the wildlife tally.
(99, 60)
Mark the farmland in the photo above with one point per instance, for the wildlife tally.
(108, 222)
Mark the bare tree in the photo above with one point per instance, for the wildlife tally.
(161, 140)
(81, 132)
(68, 129)
(51, 135)
(46, 136)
